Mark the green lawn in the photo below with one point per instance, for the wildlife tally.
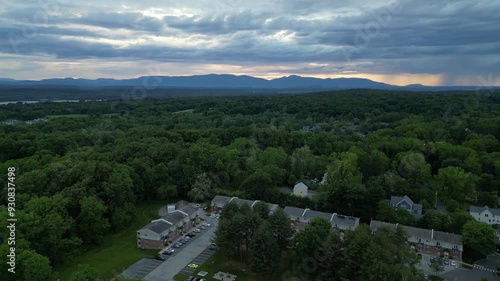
(67, 116)
(118, 251)
(218, 263)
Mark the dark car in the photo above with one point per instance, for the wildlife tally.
(167, 252)
(191, 234)
(184, 240)
(160, 258)
(213, 247)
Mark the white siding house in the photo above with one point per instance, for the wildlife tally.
(485, 214)
(300, 190)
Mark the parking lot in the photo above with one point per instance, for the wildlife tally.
(426, 259)
(199, 260)
(145, 266)
(192, 250)
(141, 268)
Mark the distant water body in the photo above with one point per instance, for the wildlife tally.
(37, 101)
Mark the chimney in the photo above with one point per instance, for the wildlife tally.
(432, 234)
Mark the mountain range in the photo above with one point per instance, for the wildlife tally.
(228, 81)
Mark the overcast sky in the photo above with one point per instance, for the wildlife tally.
(431, 42)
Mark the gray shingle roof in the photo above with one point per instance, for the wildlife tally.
(313, 214)
(421, 232)
(221, 200)
(240, 202)
(292, 211)
(158, 226)
(345, 220)
(475, 209)
(396, 199)
(175, 217)
(190, 210)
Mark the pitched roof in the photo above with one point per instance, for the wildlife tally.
(272, 207)
(313, 214)
(396, 199)
(475, 209)
(300, 185)
(175, 217)
(221, 200)
(240, 202)
(189, 210)
(158, 226)
(292, 211)
(422, 233)
(344, 220)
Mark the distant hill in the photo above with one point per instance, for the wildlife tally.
(228, 81)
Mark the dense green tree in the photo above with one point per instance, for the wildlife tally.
(385, 212)
(281, 228)
(310, 238)
(479, 236)
(201, 189)
(84, 272)
(92, 223)
(456, 183)
(264, 251)
(414, 167)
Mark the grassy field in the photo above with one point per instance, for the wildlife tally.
(218, 263)
(119, 250)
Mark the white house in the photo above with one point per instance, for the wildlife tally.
(485, 214)
(300, 190)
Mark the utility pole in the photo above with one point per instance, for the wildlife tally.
(436, 199)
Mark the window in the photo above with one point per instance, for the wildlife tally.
(486, 215)
(438, 244)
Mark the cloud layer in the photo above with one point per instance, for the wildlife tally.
(400, 42)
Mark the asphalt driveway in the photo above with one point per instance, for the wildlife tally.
(184, 255)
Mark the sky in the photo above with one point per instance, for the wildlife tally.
(401, 42)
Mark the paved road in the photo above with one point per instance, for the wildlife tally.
(168, 269)
(460, 274)
(491, 262)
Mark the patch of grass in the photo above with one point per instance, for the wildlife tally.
(218, 263)
(435, 278)
(118, 251)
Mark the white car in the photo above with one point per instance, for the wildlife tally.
(453, 263)
(197, 230)
(206, 224)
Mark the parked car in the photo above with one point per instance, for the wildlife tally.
(213, 247)
(433, 259)
(197, 230)
(191, 234)
(160, 258)
(206, 224)
(187, 237)
(202, 227)
(453, 263)
(167, 252)
(205, 208)
(177, 244)
(184, 240)
(446, 261)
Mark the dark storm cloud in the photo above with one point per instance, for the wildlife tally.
(403, 36)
